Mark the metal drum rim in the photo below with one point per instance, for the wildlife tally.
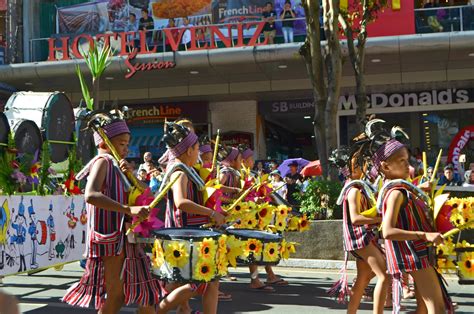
(277, 237)
(211, 234)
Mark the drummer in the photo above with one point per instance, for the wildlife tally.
(248, 163)
(184, 209)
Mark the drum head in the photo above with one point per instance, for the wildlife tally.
(27, 137)
(85, 149)
(58, 124)
(254, 234)
(4, 129)
(184, 234)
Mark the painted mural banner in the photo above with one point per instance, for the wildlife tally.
(458, 143)
(38, 232)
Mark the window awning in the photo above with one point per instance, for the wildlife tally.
(146, 136)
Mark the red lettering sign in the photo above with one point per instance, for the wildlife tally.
(125, 44)
(135, 67)
(458, 143)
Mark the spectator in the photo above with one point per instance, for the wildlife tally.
(469, 179)
(269, 16)
(287, 26)
(260, 167)
(429, 172)
(132, 26)
(174, 34)
(147, 162)
(186, 39)
(449, 177)
(278, 183)
(292, 179)
(155, 182)
(133, 165)
(146, 24)
(142, 176)
(273, 166)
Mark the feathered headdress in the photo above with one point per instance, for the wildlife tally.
(178, 138)
(111, 122)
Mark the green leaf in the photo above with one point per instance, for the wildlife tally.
(84, 89)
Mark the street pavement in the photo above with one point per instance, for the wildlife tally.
(41, 293)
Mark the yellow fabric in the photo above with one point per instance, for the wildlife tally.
(396, 5)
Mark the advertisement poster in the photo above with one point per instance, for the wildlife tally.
(41, 231)
(197, 11)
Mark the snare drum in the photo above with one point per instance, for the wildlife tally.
(42, 230)
(259, 247)
(185, 255)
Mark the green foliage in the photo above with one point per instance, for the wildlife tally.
(44, 173)
(85, 90)
(74, 165)
(319, 197)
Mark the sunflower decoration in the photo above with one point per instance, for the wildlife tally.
(176, 254)
(250, 221)
(282, 211)
(253, 247)
(222, 256)
(235, 248)
(457, 218)
(265, 215)
(157, 254)
(293, 223)
(463, 244)
(287, 248)
(207, 249)
(446, 249)
(446, 264)
(303, 223)
(271, 252)
(466, 265)
(204, 270)
(280, 224)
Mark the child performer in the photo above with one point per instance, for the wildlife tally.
(358, 238)
(184, 209)
(407, 228)
(117, 272)
(248, 163)
(205, 152)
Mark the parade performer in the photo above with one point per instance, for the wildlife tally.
(248, 162)
(205, 152)
(230, 176)
(117, 272)
(184, 209)
(407, 227)
(358, 237)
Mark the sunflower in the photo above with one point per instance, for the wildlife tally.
(157, 255)
(222, 256)
(287, 248)
(265, 215)
(282, 211)
(445, 264)
(293, 224)
(238, 224)
(234, 250)
(456, 218)
(250, 221)
(271, 252)
(446, 249)
(280, 224)
(205, 270)
(207, 249)
(466, 265)
(254, 247)
(303, 223)
(176, 254)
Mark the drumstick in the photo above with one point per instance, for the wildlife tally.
(114, 152)
(216, 149)
(241, 197)
(425, 165)
(155, 202)
(435, 170)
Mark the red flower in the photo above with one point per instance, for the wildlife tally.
(70, 185)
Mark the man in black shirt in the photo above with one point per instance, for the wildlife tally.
(146, 24)
(291, 180)
(269, 16)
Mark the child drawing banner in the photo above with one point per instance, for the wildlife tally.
(40, 231)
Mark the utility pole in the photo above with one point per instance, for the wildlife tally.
(14, 31)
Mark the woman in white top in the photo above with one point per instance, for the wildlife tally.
(278, 184)
(469, 179)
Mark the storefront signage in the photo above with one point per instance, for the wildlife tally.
(236, 138)
(458, 143)
(66, 44)
(377, 101)
(156, 113)
(136, 66)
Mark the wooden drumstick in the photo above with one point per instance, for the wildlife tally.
(241, 197)
(216, 149)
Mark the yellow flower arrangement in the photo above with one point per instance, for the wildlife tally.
(287, 248)
(250, 221)
(303, 223)
(207, 249)
(157, 254)
(457, 218)
(446, 249)
(234, 250)
(446, 264)
(204, 270)
(222, 256)
(466, 265)
(280, 224)
(265, 215)
(271, 252)
(293, 223)
(176, 254)
(253, 246)
(282, 211)
(463, 244)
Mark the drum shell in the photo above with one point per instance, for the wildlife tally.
(85, 149)
(183, 274)
(264, 237)
(27, 136)
(42, 231)
(52, 113)
(4, 129)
